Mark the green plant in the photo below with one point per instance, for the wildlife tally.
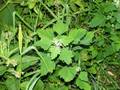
(59, 45)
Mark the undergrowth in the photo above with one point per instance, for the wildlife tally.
(59, 45)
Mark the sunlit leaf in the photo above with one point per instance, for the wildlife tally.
(60, 27)
(87, 39)
(55, 51)
(98, 20)
(47, 65)
(66, 55)
(68, 73)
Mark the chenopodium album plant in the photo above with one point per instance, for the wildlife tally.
(59, 46)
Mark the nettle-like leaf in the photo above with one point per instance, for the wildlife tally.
(87, 39)
(68, 73)
(48, 33)
(46, 38)
(98, 20)
(66, 55)
(60, 27)
(77, 34)
(66, 40)
(83, 76)
(47, 65)
(82, 81)
(44, 43)
(55, 51)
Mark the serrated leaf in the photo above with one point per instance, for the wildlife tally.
(47, 33)
(20, 38)
(66, 55)
(77, 34)
(46, 38)
(83, 85)
(83, 76)
(60, 27)
(44, 43)
(67, 73)
(98, 20)
(82, 81)
(55, 51)
(66, 40)
(87, 39)
(47, 65)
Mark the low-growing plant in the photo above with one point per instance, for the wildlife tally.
(59, 45)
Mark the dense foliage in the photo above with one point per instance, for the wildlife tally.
(59, 45)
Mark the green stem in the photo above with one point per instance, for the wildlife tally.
(16, 14)
(51, 12)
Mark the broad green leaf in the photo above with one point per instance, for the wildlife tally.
(55, 51)
(87, 39)
(12, 83)
(46, 38)
(82, 81)
(39, 85)
(3, 69)
(66, 55)
(47, 33)
(67, 73)
(98, 20)
(108, 51)
(46, 65)
(83, 85)
(77, 34)
(60, 27)
(83, 76)
(66, 40)
(20, 38)
(44, 43)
